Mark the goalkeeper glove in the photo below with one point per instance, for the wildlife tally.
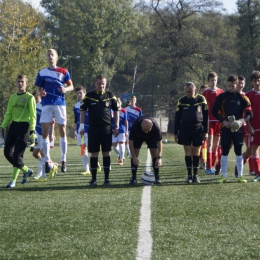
(32, 139)
(237, 124)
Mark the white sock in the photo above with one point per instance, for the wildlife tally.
(46, 149)
(121, 151)
(116, 150)
(85, 162)
(224, 165)
(63, 148)
(127, 148)
(240, 165)
(43, 172)
(40, 161)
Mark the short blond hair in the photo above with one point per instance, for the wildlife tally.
(22, 76)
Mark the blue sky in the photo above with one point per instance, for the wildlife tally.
(230, 5)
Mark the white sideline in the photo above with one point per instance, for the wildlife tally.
(145, 240)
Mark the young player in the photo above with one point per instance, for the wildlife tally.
(21, 113)
(247, 153)
(119, 141)
(82, 140)
(232, 104)
(133, 113)
(53, 82)
(37, 151)
(214, 126)
(191, 128)
(203, 88)
(254, 131)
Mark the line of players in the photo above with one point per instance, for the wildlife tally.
(251, 134)
(126, 117)
(120, 143)
(52, 83)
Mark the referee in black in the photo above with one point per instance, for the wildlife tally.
(191, 127)
(99, 103)
(145, 129)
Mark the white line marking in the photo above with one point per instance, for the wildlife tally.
(145, 240)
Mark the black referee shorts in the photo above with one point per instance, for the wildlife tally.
(151, 142)
(191, 135)
(99, 136)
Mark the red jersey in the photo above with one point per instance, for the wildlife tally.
(254, 98)
(245, 128)
(210, 96)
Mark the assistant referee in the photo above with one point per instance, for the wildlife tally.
(99, 103)
(191, 127)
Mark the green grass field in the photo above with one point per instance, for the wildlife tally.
(65, 219)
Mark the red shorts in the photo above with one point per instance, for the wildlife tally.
(255, 139)
(214, 128)
(245, 134)
(248, 140)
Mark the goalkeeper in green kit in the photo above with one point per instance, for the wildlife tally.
(21, 113)
(232, 109)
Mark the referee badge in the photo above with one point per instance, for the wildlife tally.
(238, 102)
(199, 109)
(107, 104)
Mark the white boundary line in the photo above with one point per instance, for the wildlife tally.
(145, 240)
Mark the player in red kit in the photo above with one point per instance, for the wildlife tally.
(214, 125)
(247, 154)
(254, 131)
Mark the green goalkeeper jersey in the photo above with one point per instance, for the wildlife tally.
(21, 108)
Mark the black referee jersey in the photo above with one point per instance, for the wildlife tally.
(99, 107)
(191, 112)
(137, 131)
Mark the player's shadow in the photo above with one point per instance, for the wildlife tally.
(115, 184)
(76, 187)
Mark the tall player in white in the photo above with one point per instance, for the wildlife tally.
(53, 82)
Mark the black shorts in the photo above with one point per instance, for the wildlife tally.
(191, 135)
(16, 143)
(228, 137)
(99, 136)
(151, 143)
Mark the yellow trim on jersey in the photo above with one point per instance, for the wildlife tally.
(108, 99)
(91, 98)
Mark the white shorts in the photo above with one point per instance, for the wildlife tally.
(119, 139)
(51, 111)
(79, 139)
(39, 142)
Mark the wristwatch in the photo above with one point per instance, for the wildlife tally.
(159, 157)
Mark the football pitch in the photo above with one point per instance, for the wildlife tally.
(65, 219)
